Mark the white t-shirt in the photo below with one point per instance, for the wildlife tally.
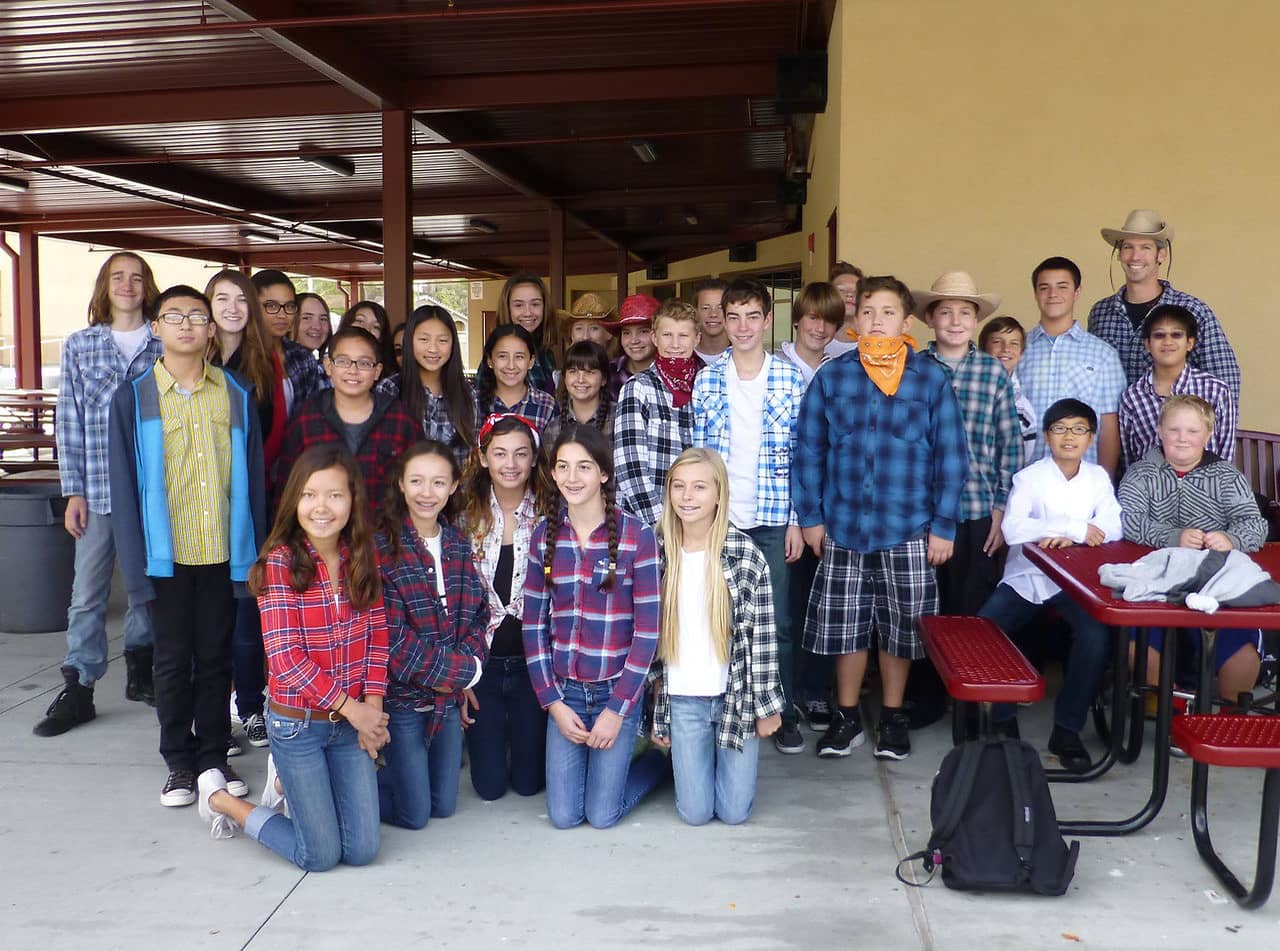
(433, 546)
(841, 343)
(131, 342)
(699, 673)
(746, 420)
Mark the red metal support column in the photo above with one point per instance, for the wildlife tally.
(26, 322)
(397, 214)
(624, 274)
(555, 228)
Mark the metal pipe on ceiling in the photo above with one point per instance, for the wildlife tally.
(205, 28)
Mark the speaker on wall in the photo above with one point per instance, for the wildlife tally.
(740, 253)
(802, 83)
(656, 272)
(792, 191)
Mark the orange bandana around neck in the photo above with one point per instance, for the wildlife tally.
(884, 359)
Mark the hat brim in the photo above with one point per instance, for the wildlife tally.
(635, 320)
(568, 316)
(987, 304)
(1114, 236)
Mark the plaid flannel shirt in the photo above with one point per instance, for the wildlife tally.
(542, 373)
(317, 422)
(436, 423)
(304, 373)
(1076, 365)
(648, 433)
(754, 688)
(317, 646)
(575, 631)
(433, 642)
(536, 406)
(1140, 413)
(784, 389)
(990, 413)
(486, 551)
(879, 470)
(92, 369)
(1109, 320)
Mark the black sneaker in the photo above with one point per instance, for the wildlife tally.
(233, 746)
(788, 739)
(843, 735)
(235, 785)
(179, 788)
(818, 713)
(894, 740)
(255, 730)
(71, 707)
(1070, 751)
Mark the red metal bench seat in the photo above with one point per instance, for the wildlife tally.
(977, 663)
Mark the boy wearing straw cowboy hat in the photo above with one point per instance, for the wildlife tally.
(586, 320)
(1143, 243)
(953, 308)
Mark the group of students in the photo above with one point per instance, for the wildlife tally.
(694, 539)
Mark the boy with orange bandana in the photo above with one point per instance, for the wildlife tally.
(880, 464)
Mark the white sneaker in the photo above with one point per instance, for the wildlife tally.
(272, 797)
(220, 826)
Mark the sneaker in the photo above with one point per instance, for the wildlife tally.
(235, 785)
(894, 735)
(255, 730)
(179, 788)
(233, 746)
(1070, 751)
(71, 707)
(788, 739)
(843, 735)
(273, 792)
(818, 713)
(220, 826)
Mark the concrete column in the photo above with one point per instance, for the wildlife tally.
(26, 322)
(397, 214)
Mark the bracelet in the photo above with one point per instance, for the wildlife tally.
(333, 714)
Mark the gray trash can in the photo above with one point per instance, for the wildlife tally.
(37, 558)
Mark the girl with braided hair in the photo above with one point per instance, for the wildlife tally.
(591, 597)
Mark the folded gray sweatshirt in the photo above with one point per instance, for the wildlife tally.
(1202, 580)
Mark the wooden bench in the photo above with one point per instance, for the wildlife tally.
(1219, 740)
(978, 664)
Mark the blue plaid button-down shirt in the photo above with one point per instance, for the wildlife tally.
(879, 470)
(92, 368)
(784, 389)
(1109, 320)
(1072, 365)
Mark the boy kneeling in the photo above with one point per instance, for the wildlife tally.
(1060, 500)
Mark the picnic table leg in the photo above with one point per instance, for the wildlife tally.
(1265, 870)
(1136, 691)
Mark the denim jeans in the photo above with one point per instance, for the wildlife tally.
(1091, 647)
(598, 786)
(710, 782)
(420, 781)
(771, 540)
(248, 659)
(87, 617)
(508, 741)
(332, 790)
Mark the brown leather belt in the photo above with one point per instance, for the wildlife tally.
(299, 713)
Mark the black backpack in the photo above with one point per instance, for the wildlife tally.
(994, 827)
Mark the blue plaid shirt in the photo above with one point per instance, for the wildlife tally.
(879, 470)
(1073, 365)
(92, 368)
(1213, 354)
(991, 426)
(784, 389)
(304, 372)
(1140, 413)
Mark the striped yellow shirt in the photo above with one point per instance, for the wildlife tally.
(197, 465)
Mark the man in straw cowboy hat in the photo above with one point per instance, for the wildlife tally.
(1143, 243)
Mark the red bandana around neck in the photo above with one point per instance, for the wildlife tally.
(677, 375)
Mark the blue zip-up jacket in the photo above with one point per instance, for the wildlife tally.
(139, 500)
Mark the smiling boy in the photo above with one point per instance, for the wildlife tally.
(708, 301)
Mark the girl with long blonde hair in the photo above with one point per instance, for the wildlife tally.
(718, 689)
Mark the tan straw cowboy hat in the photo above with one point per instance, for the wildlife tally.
(588, 306)
(956, 285)
(1141, 223)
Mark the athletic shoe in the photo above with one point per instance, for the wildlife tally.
(255, 730)
(220, 826)
(235, 785)
(1071, 753)
(233, 746)
(273, 797)
(818, 713)
(788, 739)
(894, 740)
(844, 734)
(71, 707)
(179, 788)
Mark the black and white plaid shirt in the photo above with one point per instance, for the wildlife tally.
(648, 434)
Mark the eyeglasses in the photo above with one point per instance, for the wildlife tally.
(175, 319)
(1057, 429)
(274, 307)
(364, 364)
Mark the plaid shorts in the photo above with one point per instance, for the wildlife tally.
(855, 594)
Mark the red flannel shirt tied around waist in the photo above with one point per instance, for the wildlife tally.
(434, 643)
(317, 646)
(575, 631)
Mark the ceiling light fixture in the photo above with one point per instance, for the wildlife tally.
(482, 225)
(644, 150)
(332, 163)
(260, 236)
(690, 217)
(14, 184)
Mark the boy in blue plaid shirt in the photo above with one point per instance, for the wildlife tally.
(880, 467)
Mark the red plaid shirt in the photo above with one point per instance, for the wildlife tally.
(317, 646)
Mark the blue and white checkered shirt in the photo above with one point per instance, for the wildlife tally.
(92, 369)
(1073, 365)
(1140, 413)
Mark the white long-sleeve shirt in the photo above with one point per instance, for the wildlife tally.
(1044, 503)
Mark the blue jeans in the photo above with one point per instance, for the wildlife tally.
(420, 781)
(87, 616)
(1091, 646)
(711, 782)
(771, 540)
(248, 659)
(332, 789)
(597, 786)
(508, 741)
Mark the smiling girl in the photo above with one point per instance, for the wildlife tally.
(508, 353)
(583, 394)
(312, 327)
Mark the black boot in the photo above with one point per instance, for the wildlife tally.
(73, 706)
(139, 683)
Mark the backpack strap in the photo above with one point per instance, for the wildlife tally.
(958, 796)
(1024, 828)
